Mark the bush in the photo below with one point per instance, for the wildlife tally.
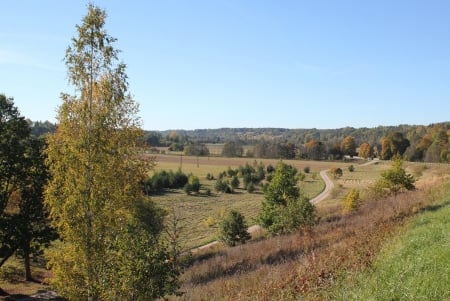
(307, 169)
(337, 172)
(250, 188)
(179, 179)
(231, 172)
(351, 168)
(187, 188)
(194, 182)
(301, 177)
(165, 179)
(222, 186)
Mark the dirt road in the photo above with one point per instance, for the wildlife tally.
(328, 187)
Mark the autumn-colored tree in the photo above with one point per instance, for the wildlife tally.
(386, 152)
(365, 150)
(337, 172)
(348, 146)
(315, 150)
(351, 201)
(108, 250)
(335, 151)
(393, 144)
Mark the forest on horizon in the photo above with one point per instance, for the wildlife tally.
(423, 143)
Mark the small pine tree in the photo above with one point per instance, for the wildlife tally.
(285, 209)
(235, 182)
(233, 229)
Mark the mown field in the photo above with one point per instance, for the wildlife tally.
(200, 214)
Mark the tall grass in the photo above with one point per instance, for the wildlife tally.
(415, 266)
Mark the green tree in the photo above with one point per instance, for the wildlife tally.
(25, 228)
(233, 229)
(97, 175)
(396, 179)
(31, 223)
(14, 131)
(284, 208)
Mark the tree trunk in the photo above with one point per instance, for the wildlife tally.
(26, 259)
(9, 254)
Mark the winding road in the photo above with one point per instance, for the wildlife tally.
(328, 187)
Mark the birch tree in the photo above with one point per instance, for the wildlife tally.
(97, 170)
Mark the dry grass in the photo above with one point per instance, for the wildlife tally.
(304, 264)
(12, 282)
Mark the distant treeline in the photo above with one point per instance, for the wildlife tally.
(414, 142)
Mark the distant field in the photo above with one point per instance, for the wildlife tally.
(215, 149)
(200, 215)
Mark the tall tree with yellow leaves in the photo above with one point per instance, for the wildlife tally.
(95, 194)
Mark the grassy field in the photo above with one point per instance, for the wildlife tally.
(200, 214)
(414, 266)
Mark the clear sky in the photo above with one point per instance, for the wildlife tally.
(242, 63)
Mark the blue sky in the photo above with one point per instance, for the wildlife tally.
(234, 63)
